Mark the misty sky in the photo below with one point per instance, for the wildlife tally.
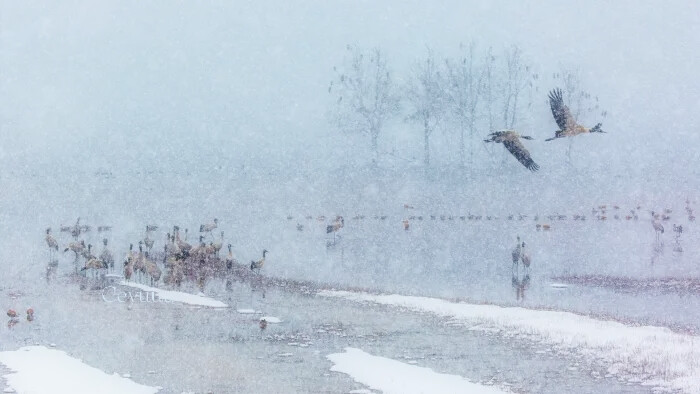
(162, 80)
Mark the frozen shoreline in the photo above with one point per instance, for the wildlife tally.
(40, 370)
(392, 376)
(178, 296)
(653, 355)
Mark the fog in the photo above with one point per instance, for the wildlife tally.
(134, 82)
(129, 113)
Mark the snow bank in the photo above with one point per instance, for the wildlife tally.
(391, 376)
(39, 370)
(649, 354)
(178, 296)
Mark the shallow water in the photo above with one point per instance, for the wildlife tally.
(185, 348)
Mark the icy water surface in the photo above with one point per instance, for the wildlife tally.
(183, 348)
(449, 253)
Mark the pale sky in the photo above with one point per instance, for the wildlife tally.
(128, 79)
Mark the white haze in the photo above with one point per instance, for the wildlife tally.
(131, 83)
(129, 113)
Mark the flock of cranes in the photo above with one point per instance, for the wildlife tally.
(181, 261)
(568, 127)
(178, 261)
(542, 222)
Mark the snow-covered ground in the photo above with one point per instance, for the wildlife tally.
(652, 355)
(192, 349)
(392, 376)
(40, 370)
(161, 295)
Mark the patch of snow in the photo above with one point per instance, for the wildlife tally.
(559, 285)
(391, 376)
(483, 329)
(38, 370)
(247, 311)
(271, 319)
(669, 357)
(178, 296)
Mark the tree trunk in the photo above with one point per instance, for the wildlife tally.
(375, 146)
(471, 138)
(426, 136)
(461, 142)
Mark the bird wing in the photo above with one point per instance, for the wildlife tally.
(562, 114)
(516, 148)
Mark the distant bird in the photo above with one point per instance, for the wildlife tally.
(150, 266)
(229, 258)
(516, 254)
(30, 314)
(406, 224)
(52, 244)
(139, 262)
(335, 226)
(76, 247)
(75, 230)
(129, 262)
(107, 256)
(148, 241)
(263, 324)
(208, 228)
(511, 140)
(658, 227)
(87, 253)
(525, 258)
(229, 269)
(218, 245)
(11, 313)
(677, 229)
(183, 246)
(256, 265)
(95, 264)
(566, 122)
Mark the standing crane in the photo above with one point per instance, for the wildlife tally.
(256, 265)
(52, 244)
(525, 258)
(516, 254)
(658, 227)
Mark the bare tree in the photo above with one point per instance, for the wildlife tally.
(579, 101)
(489, 84)
(462, 94)
(516, 79)
(366, 95)
(426, 99)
